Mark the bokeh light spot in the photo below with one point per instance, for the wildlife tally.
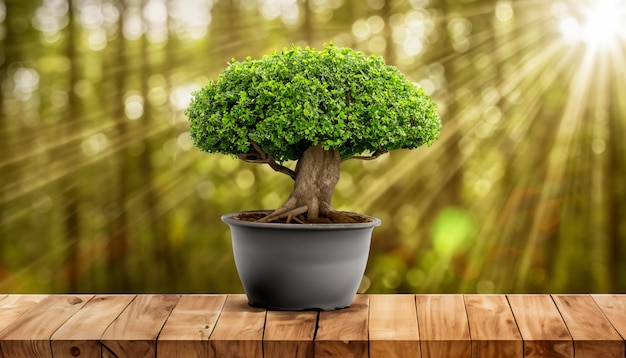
(452, 229)
(504, 11)
(133, 106)
(95, 144)
(244, 179)
(205, 190)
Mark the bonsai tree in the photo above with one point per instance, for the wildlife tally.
(314, 107)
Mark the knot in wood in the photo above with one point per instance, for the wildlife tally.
(74, 300)
(75, 351)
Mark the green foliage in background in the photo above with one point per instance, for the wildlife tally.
(101, 189)
(298, 98)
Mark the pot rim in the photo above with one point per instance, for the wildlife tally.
(228, 219)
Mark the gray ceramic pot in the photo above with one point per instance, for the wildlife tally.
(300, 267)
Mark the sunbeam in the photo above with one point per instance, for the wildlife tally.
(524, 192)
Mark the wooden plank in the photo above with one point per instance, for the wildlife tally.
(393, 330)
(72, 325)
(186, 332)
(80, 335)
(239, 330)
(29, 335)
(134, 332)
(344, 333)
(289, 334)
(543, 331)
(443, 326)
(492, 327)
(13, 306)
(614, 308)
(593, 334)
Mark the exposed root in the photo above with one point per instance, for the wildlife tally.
(299, 219)
(281, 212)
(316, 176)
(340, 217)
(284, 213)
(337, 216)
(290, 214)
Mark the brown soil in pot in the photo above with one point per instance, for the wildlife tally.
(336, 217)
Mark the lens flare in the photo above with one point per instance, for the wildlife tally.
(604, 23)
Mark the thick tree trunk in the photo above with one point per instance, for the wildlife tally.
(317, 174)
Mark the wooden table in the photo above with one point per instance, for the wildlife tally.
(374, 326)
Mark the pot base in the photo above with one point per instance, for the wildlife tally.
(272, 308)
(298, 267)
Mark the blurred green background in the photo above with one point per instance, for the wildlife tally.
(102, 191)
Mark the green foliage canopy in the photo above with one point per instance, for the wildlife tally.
(297, 98)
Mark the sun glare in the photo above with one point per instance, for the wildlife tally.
(604, 23)
(599, 24)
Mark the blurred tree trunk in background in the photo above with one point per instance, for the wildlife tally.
(117, 246)
(451, 195)
(156, 216)
(536, 203)
(307, 23)
(390, 49)
(493, 242)
(225, 42)
(9, 53)
(69, 185)
(616, 183)
(598, 172)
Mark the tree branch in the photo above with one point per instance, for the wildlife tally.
(257, 155)
(281, 168)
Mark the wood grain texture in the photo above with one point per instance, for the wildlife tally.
(117, 326)
(29, 335)
(239, 330)
(614, 308)
(593, 334)
(13, 306)
(393, 330)
(80, 335)
(344, 333)
(443, 326)
(134, 332)
(541, 326)
(106, 353)
(187, 331)
(492, 327)
(289, 334)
